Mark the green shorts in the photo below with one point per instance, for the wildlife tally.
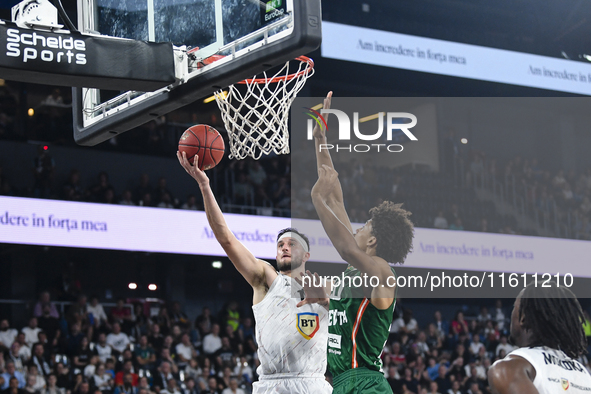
(360, 381)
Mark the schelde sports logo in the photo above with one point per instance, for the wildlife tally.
(48, 48)
(394, 123)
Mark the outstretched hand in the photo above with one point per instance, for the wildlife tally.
(327, 181)
(320, 132)
(314, 294)
(191, 169)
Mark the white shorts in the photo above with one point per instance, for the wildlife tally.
(291, 385)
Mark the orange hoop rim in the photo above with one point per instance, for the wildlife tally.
(285, 78)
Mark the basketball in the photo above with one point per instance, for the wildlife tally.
(205, 141)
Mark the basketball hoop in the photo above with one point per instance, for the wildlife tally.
(256, 115)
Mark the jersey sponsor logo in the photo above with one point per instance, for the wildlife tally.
(308, 324)
(569, 365)
(564, 383)
(334, 340)
(337, 318)
(582, 388)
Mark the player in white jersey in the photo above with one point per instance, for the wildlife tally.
(546, 325)
(292, 340)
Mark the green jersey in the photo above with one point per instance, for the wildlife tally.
(357, 330)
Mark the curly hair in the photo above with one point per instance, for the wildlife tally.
(555, 317)
(393, 231)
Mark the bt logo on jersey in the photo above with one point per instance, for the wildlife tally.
(307, 324)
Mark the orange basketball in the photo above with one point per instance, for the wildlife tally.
(205, 141)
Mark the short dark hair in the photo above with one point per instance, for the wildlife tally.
(393, 231)
(294, 230)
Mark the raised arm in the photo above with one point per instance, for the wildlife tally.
(335, 198)
(340, 236)
(257, 273)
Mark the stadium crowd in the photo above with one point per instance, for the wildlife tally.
(133, 349)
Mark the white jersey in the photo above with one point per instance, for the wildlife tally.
(555, 371)
(292, 341)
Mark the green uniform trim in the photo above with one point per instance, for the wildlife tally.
(361, 381)
(358, 331)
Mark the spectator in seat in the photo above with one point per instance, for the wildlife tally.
(244, 371)
(212, 342)
(475, 345)
(442, 379)
(49, 324)
(126, 198)
(122, 314)
(127, 371)
(118, 340)
(190, 387)
(51, 387)
(82, 355)
(459, 325)
(39, 359)
(233, 388)
(31, 332)
(102, 348)
(455, 388)
(499, 315)
(126, 386)
(433, 388)
(63, 376)
(440, 221)
(13, 387)
(156, 338)
(10, 374)
(442, 325)
(14, 356)
(212, 386)
(161, 190)
(185, 351)
(144, 385)
(204, 322)
(144, 354)
(166, 202)
(163, 375)
(224, 356)
(504, 346)
(191, 203)
(30, 385)
(7, 337)
(97, 311)
(171, 387)
(82, 387)
(177, 316)
(144, 188)
(39, 382)
(102, 380)
(72, 190)
(410, 381)
(457, 225)
(75, 338)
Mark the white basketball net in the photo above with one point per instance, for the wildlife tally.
(255, 111)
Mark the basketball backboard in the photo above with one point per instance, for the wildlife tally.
(216, 43)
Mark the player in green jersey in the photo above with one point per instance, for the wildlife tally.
(359, 317)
